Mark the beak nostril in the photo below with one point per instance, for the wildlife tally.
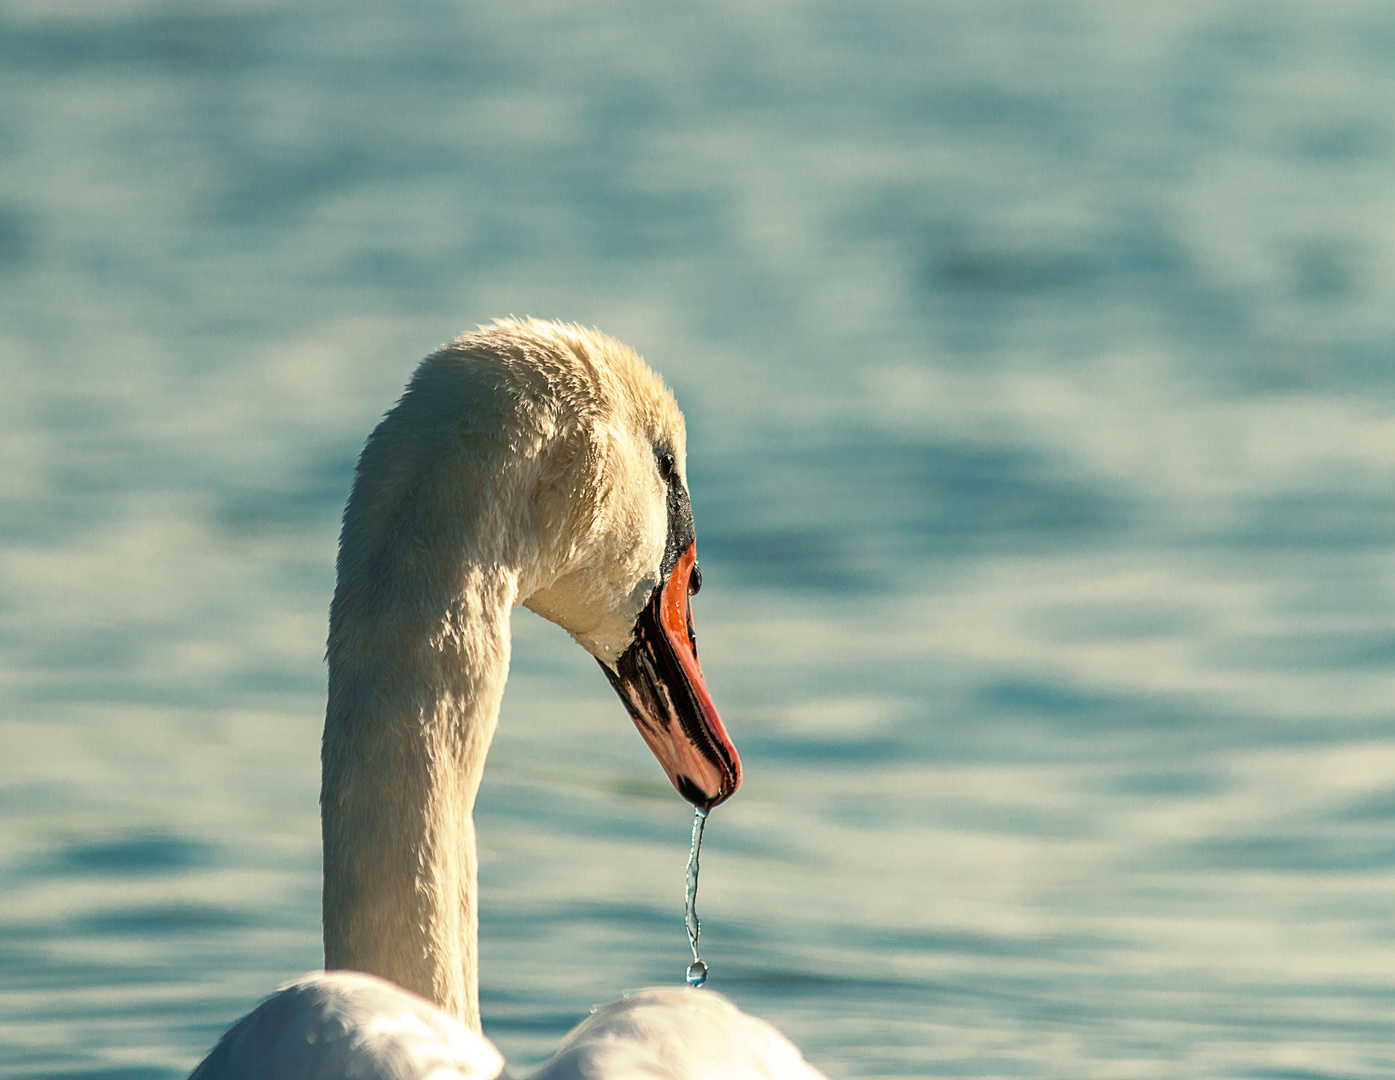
(695, 582)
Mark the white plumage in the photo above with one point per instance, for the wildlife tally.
(529, 463)
(675, 1033)
(343, 1025)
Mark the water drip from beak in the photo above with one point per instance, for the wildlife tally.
(697, 970)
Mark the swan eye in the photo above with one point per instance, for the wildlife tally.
(695, 581)
(666, 467)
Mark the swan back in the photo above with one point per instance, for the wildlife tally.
(346, 1026)
(675, 1033)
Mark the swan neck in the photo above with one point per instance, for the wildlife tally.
(414, 695)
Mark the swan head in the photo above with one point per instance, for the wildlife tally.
(556, 451)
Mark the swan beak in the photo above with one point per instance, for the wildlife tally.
(660, 682)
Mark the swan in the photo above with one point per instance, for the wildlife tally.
(528, 463)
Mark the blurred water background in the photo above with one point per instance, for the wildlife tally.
(1039, 365)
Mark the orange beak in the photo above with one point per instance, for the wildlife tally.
(659, 680)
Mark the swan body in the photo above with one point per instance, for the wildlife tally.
(342, 1024)
(536, 464)
(333, 1025)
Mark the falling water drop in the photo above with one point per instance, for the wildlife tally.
(697, 970)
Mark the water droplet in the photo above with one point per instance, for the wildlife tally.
(697, 973)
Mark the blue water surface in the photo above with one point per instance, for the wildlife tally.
(1039, 366)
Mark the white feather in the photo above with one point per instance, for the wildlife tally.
(343, 1025)
(347, 1026)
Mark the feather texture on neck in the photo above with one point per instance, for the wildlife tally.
(516, 468)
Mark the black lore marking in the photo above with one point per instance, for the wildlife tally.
(681, 532)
